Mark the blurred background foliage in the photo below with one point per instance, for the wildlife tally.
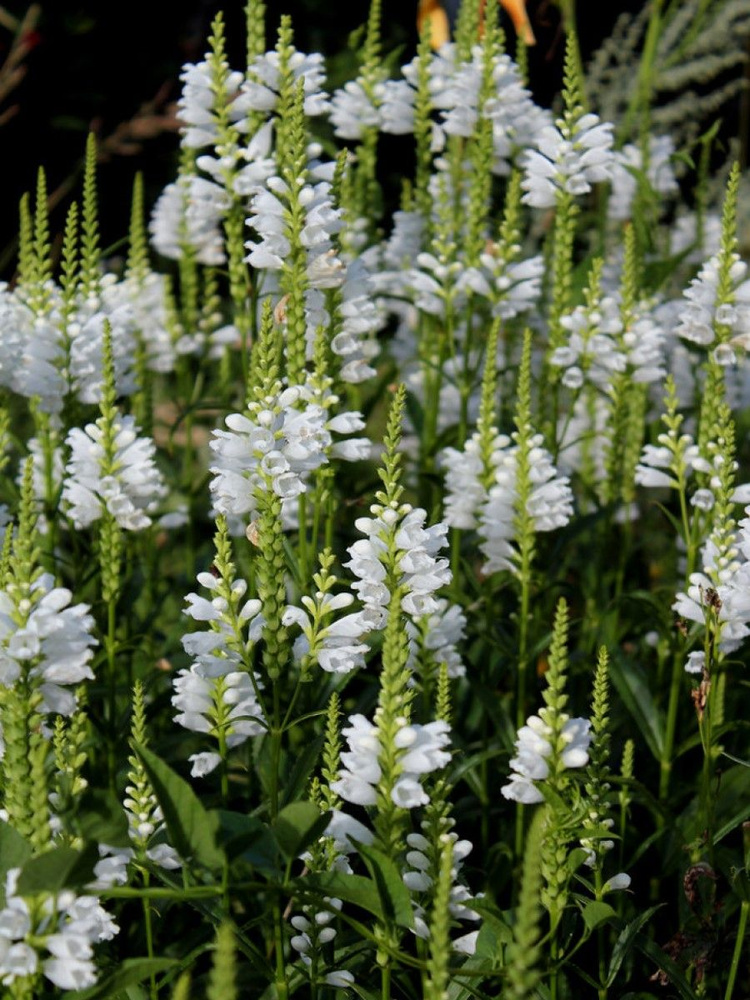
(68, 66)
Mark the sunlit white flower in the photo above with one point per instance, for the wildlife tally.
(550, 504)
(217, 694)
(421, 750)
(416, 548)
(533, 749)
(46, 639)
(260, 91)
(130, 489)
(354, 108)
(56, 934)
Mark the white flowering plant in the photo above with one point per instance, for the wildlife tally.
(375, 563)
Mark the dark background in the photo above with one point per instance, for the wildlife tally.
(114, 68)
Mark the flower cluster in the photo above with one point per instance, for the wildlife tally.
(217, 695)
(47, 640)
(54, 935)
(569, 159)
(128, 484)
(533, 750)
(709, 322)
(420, 751)
(401, 535)
(273, 446)
(628, 163)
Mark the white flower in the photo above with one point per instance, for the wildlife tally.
(354, 108)
(424, 862)
(416, 547)
(533, 749)
(340, 980)
(269, 448)
(617, 882)
(61, 929)
(47, 639)
(628, 162)
(464, 490)
(130, 490)
(147, 299)
(696, 662)
(39, 357)
(437, 636)
(703, 315)
(189, 215)
(421, 752)
(571, 163)
(550, 503)
(335, 646)
(196, 106)
(260, 91)
(345, 829)
(269, 218)
(217, 693)
(113, 304)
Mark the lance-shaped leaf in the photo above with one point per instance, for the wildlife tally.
(192, 829)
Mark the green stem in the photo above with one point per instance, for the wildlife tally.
(523, 627)
(302, 542)
(111, 644)
(385, 981)
(554, 949)
(282, 983)
(523, 631)
(675, 689)
(149, 932)
(736, 955)
(275, 735)
(222, 736)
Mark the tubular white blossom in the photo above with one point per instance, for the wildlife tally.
(533, 748)
(217, 692)
(54, 933)
(188, 216)
(46, 638)
(703, 314)
(550, 503)
(130, 491)
(260, 91)
(416, 548)
(421, 751)
(628, 162)
(571, 164)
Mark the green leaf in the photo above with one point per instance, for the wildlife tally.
(131, 972)
(14, 852)
(394, 896)
(297, 826)
(354, 889)
(60, 868)
(247, 837)
(632, 687)
(733, 806)
(303, 768)
(101, 817)
(494, 932)
(665, 963)
(626, 940)
(192, 829)
(595, 913)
